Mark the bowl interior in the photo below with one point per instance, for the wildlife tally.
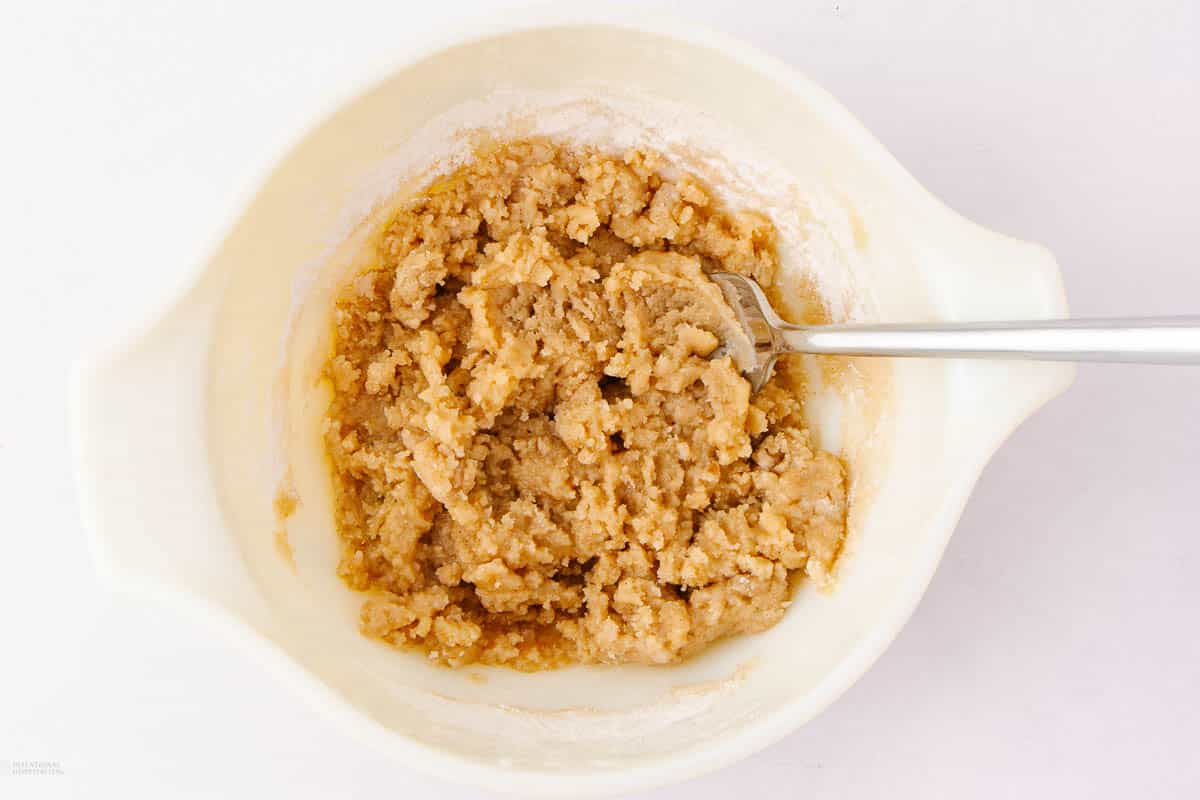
(916, 433)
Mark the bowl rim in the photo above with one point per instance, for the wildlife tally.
(704, 758)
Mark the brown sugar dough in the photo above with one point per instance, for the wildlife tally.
(535, 459)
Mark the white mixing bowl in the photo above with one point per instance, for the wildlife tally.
(178, 428)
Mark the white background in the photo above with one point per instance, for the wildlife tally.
(1057, 651)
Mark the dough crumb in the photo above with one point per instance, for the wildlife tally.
(285, 504)
(536, 460)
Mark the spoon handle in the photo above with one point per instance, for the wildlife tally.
(1152, 340)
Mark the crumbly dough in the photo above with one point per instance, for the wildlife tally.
(535, 459)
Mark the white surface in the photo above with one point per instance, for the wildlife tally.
(1055, 650)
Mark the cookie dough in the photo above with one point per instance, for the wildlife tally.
(536, 460)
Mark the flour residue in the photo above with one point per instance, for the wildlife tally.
(817, 233)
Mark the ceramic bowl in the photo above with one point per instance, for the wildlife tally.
(179, 427)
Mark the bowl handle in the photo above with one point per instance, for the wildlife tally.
(138, 419)
(1003, 279)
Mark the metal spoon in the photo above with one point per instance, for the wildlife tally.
(764, 336)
